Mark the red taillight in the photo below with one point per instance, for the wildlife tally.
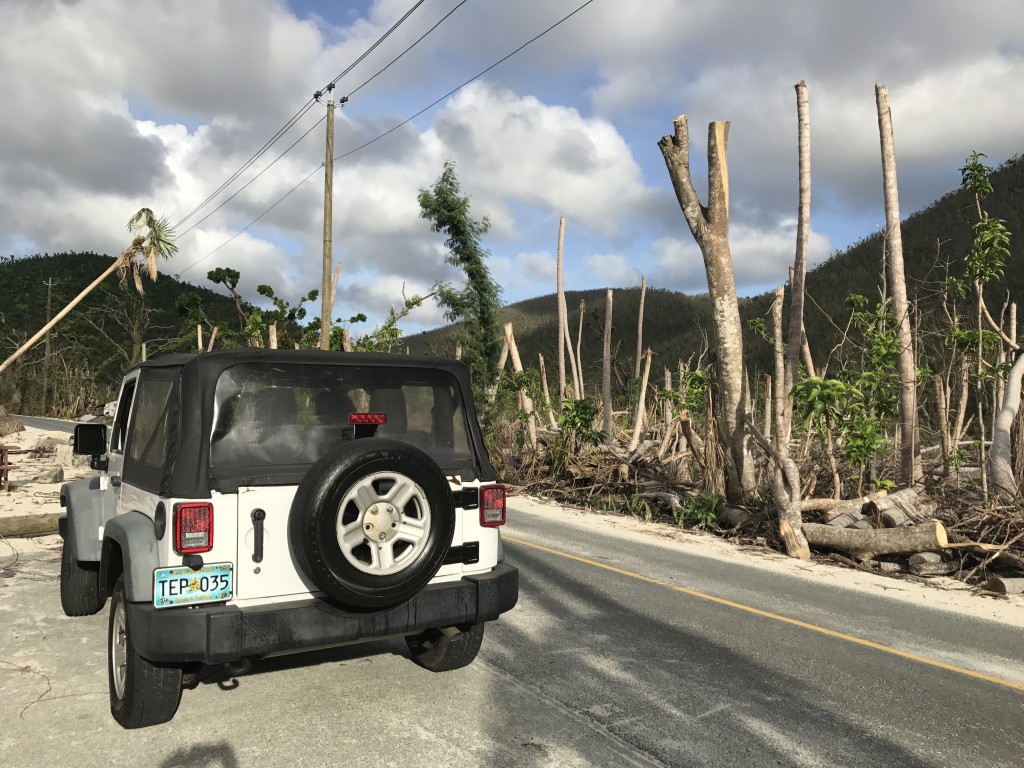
(492, 506)
(193, 528)
(367, 418)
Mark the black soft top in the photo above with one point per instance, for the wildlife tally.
(194, 379)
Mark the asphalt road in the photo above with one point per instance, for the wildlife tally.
(51, 425)
(623, 651)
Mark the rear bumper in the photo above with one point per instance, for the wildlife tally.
(219, 634)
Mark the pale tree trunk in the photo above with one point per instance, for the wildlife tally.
(502, 359)
(787, 474)
(640, 328)
(910, 450)
(563, 324)
(606, 371)
(641, 406)
(517, 366)
(547, 394)
(710, 228)
(578, 362)
(1000, 459)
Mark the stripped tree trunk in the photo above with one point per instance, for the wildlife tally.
(578, 362)
(640, 328)
(500, 370)
(641, 406)
(547, 394)
(563, 325)
(1000, 454)
(710, 228)
(606, 370)
(910, 449)
(517, 366)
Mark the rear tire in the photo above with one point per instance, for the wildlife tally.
(141, 693)
(438, 652)
(79, 585)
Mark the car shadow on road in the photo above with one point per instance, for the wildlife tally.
(687, 685)
(216, 755)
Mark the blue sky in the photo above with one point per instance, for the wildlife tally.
(569, 126)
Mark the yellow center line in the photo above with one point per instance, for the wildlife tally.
(776, 617)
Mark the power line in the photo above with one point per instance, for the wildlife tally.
(288, 125)
(459, 88)
(243, 229)
(399, 125)
(248, 163)
(415, 43)
(250, 181)
(373, 47)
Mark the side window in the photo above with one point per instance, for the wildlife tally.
(147, 439)
(120, 426)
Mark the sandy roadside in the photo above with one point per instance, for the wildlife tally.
(41, 499)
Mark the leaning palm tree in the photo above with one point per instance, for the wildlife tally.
(152, 238)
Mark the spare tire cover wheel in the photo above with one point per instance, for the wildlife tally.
(371, 523)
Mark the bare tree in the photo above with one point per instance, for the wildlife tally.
(606, 370)
(640, 328)
(910, 449)
(710, 228)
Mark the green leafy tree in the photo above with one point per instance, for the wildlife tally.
(478, 302)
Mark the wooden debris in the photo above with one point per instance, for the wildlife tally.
(916, 538)
(897, 508)
(1005, 586)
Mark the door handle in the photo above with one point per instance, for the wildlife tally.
(258, 516)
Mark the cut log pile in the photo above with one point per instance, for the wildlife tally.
(899, 533)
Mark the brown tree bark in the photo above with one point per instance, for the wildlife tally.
(910, 449)
(710, 229)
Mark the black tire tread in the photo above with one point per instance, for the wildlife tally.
(435, 652)
(152, 691)
(79, 585)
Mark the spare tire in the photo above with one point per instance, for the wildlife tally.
(371, 523)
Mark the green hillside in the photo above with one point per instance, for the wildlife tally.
(92, 346)
(676, 324)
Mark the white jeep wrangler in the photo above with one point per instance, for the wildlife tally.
(252, 502)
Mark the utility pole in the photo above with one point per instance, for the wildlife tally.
(46, 353)
(326, 292)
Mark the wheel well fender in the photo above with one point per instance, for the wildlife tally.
(129, 539)
(88, 507)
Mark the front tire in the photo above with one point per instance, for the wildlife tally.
(79, 585)
(442, 650)
(141, 693)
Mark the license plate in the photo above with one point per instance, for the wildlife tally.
(182, 586)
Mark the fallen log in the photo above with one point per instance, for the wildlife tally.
(1005, 586)
(896, 508)
(838, 506)
(882, 541)
(30, 525)
(847, 519)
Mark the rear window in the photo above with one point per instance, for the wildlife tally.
(269, 414)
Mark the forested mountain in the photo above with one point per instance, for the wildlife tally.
(92, 346)
(676, 325)
(95, 340)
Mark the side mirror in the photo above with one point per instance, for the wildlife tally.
(90, 439)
